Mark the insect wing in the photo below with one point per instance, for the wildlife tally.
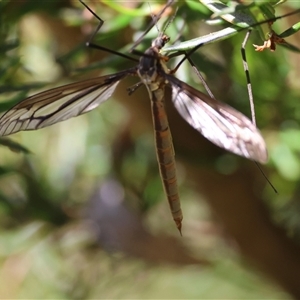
(59, 104)
(218, 122)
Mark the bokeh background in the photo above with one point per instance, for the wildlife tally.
(83, 213)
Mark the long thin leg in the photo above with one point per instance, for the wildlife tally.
(201, 78)
(246, 69)
(95, 46)
(250, 94)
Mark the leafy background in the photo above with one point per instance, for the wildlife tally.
(83, 215)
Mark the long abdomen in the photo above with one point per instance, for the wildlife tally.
(165, 155)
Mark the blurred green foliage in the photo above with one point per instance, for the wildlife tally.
(48, 249)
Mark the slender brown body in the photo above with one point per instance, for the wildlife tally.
(151, 66)
(165, 155)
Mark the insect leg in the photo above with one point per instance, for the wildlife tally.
(246, 69)
(95, 46)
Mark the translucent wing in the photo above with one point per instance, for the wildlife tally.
(59, 104)
(218, 122)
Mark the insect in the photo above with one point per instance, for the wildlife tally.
(218, 122)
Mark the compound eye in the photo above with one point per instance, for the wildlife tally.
(165, 38)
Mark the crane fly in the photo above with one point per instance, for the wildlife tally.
(217, 121)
